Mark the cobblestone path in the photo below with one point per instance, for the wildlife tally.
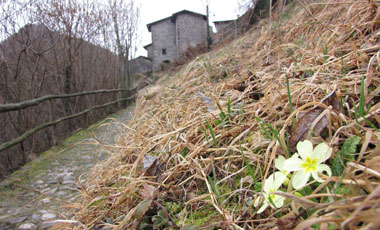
(35, 193)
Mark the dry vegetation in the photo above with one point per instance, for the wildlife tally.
(197, 177)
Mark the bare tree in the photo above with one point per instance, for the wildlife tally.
(46, 47)
(122, 33)
(77, 20)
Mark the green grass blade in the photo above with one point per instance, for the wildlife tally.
(260, 122)
(248, 166)
(206, 135)
(229, 107)
(213, 181)
(212, 133)
(325, 53)
(275, 133)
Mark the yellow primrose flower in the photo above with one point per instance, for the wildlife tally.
(272, 184)
(309, 163)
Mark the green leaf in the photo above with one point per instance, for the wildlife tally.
(142, 208)
(190, 227)
(344, 155)
(257, 186)
(184, 152)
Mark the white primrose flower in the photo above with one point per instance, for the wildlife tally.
(309, 164)
(272, 184)
(279, 163)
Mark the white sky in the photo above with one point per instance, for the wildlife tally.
(153, 10)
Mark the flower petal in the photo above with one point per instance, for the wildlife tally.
(278, 201)
(316, 177)
(268, 184)
(263, 207)
(293, 164)
(274, 181)
(278, 180)
(323, 167)
(300, 178)
(305, 149)
(322, 152)
(279, 163)
(257, 201)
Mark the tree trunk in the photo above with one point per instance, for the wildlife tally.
(123, 62)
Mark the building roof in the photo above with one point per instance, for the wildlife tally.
(143, 57)
(174, 16)
(146, 46)
(224, 21)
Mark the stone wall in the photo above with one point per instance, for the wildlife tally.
(191, 31)
(164, 45)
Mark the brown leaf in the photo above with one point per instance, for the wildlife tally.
(240, 86)
(151, 165)
(373, 163)
(286, 222)
(300, 131)
(148, 191)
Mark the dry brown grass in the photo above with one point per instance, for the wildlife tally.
(174, 119)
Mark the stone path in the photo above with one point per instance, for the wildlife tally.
(36, 192)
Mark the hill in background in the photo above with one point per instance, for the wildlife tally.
(34, 63)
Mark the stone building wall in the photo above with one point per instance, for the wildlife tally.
(164, 45)
(191, 31)
(141, 65)
(149, 50)
(221, 25)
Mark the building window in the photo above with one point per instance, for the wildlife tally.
(163, 51)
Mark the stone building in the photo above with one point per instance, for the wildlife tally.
(173, 35)
(220, 25)
(149, 50)
(141, 64)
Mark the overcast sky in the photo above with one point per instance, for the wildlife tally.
(153, 10)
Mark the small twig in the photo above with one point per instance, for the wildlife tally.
(365, 169)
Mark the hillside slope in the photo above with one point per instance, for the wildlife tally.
(194, 162)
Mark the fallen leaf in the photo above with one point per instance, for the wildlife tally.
(148, 191)
(286, 222)
(240, 86)
(300, 131)
(148, 161)
(373, 163)
(151, 166)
